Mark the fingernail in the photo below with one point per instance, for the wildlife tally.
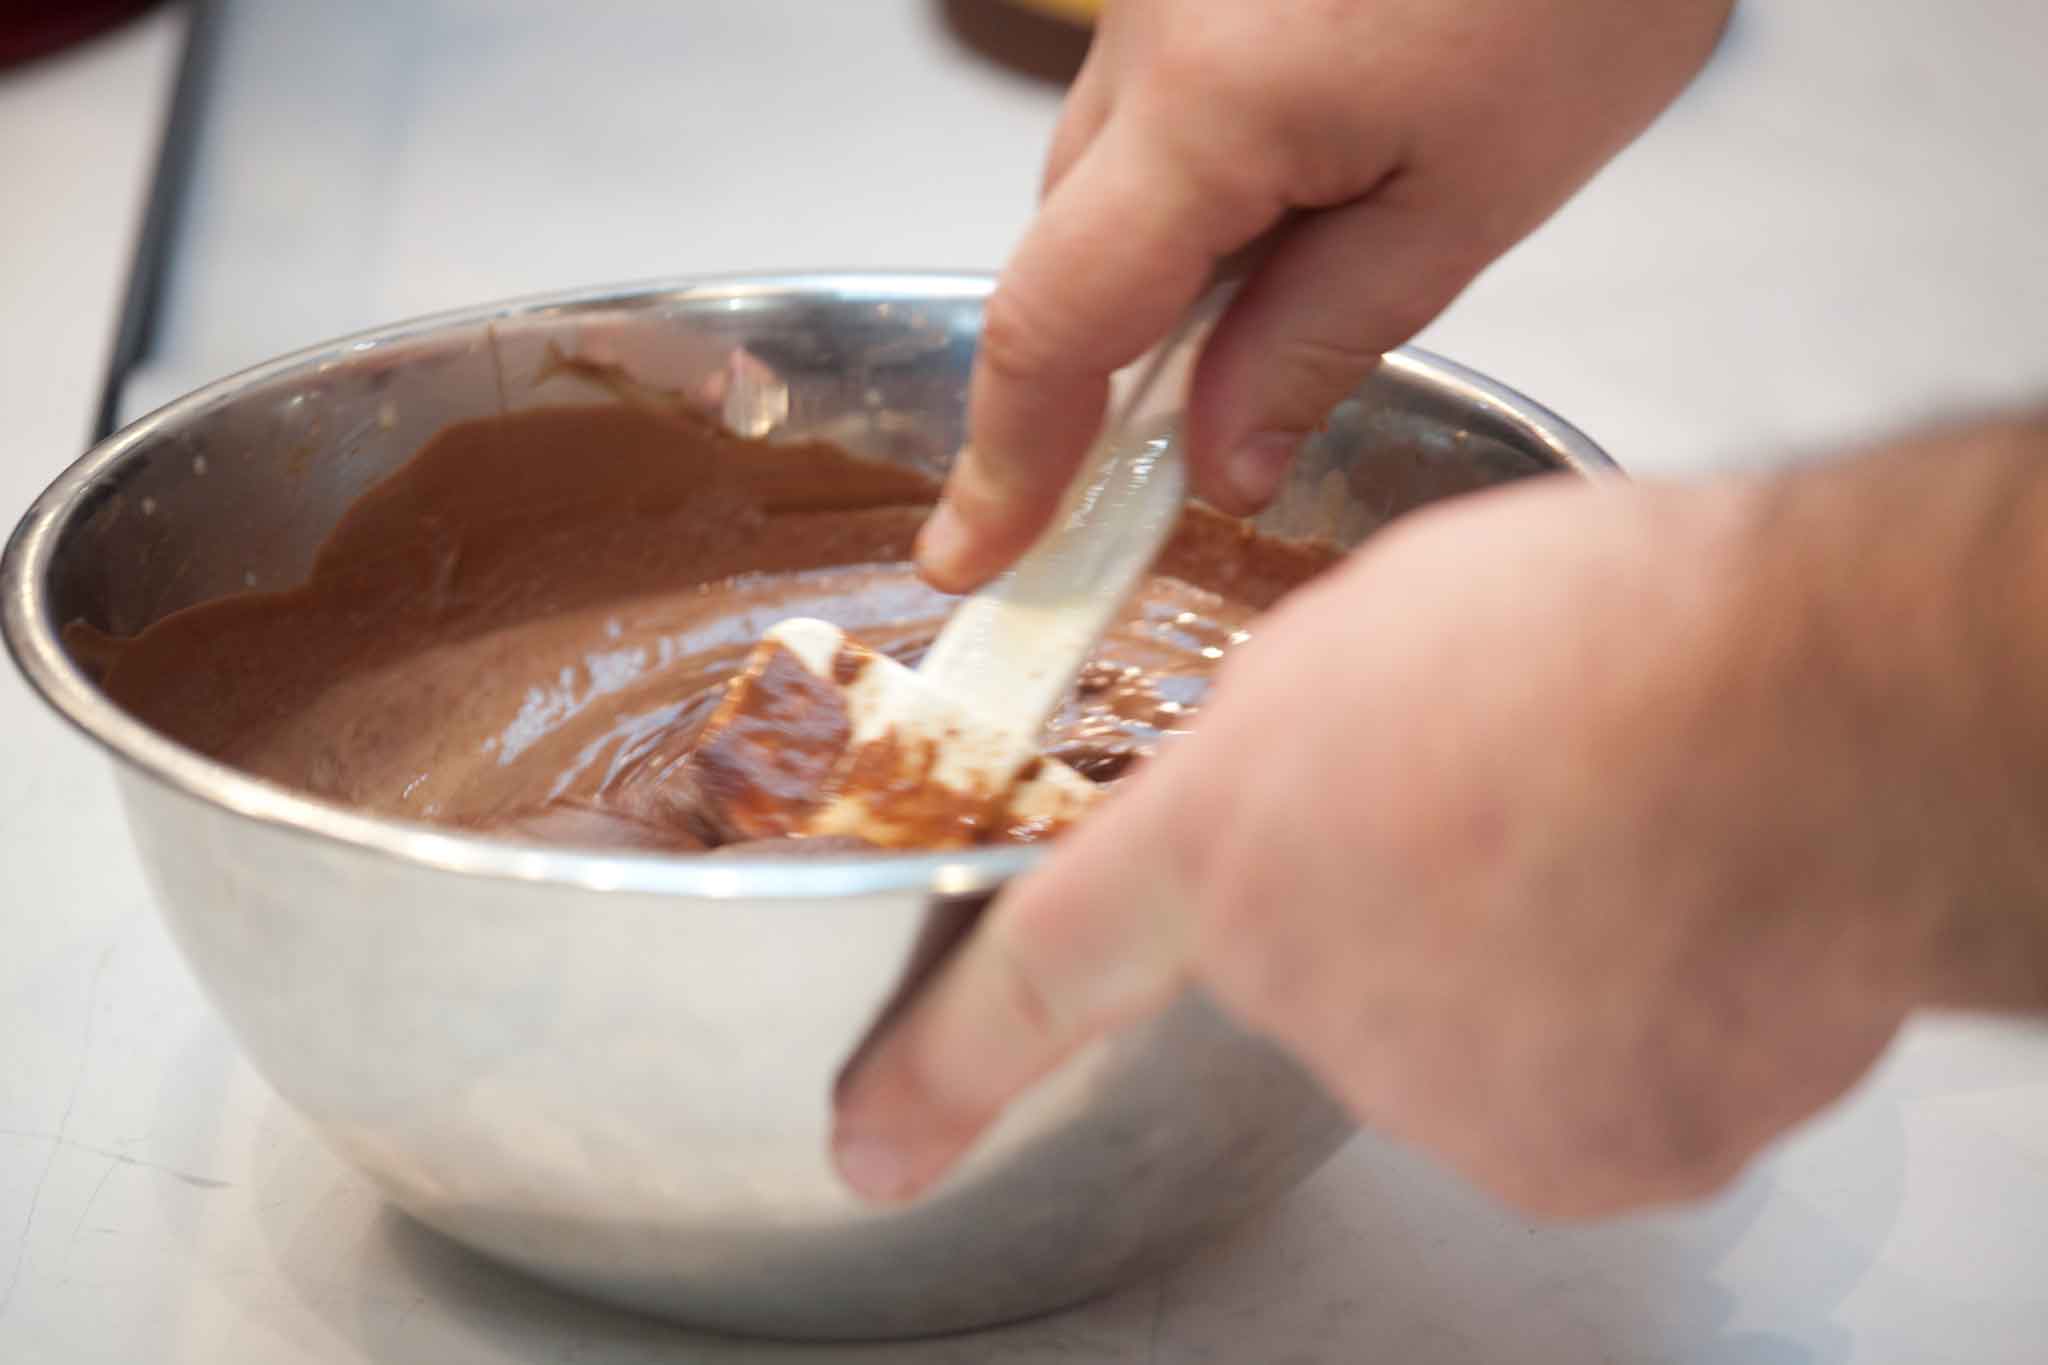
(942, 544)
(874, 1167)
(1259, 463)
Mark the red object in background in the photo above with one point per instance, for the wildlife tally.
(29, 29)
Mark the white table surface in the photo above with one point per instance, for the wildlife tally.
(1840, 229)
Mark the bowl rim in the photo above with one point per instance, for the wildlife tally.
(32, 636)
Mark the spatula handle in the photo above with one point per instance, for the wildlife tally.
(1011, 651)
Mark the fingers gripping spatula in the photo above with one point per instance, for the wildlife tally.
(821, 735)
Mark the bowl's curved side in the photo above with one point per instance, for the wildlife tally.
(629, 1096)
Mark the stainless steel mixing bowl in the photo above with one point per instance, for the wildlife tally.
(613, 1070)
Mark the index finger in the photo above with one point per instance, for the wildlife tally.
(1121, 247)
(1093, 940)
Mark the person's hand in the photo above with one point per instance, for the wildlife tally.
(1391, 149)
(1585, 836)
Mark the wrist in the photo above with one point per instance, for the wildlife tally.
(1900, 600)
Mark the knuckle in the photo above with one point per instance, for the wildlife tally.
(1433, 282)
(1029, 1002)
(1648, 1146)
(1261, 129)
(993, 489)
(1234, 187)
(1409, 310)
(1707, 1181)
(1552, 1201)
(1333, 361)
(916, 1077)
(1320, 161)
(1194, 59)
(1022, 341)
(1578, 1192)
(1251, 959)
(1242, 958)
(1314, 374)
(1541, 1179)
(1220, 124)
(1677, 1145)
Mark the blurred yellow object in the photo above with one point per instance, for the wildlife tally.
(1074, 11)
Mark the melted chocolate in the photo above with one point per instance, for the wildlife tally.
(524, 628)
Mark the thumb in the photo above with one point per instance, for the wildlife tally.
(1097, 938)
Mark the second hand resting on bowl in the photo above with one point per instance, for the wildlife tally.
(821, 735)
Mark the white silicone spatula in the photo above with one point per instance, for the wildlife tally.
(948, 754)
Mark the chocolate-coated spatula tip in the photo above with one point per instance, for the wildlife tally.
(819, 735)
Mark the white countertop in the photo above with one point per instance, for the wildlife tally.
(1840, 228)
